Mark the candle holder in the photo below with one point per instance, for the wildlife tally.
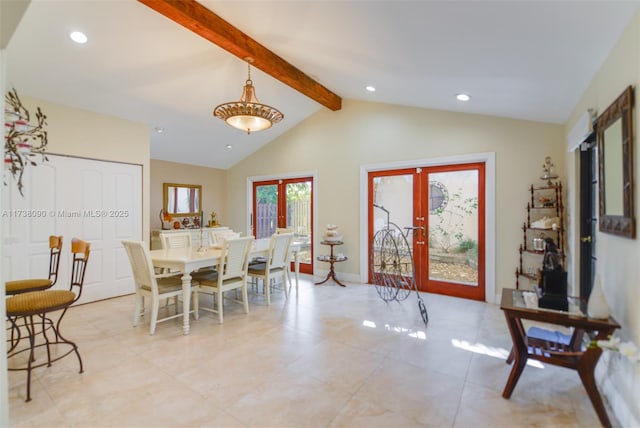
(202, 248)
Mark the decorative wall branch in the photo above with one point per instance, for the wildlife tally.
(22, 141)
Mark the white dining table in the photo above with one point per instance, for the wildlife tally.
(188, 260)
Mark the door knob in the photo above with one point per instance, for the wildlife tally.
(585, 239)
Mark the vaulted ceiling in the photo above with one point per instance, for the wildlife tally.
(520, 59)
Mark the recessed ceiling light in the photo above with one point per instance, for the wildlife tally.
(159, 129)
(370, 88)
(78, 37)
(463, 97)
(229, 146)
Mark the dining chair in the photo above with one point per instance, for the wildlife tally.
(37, 284)
(216, 236)
(154, 286)
(43, 302)
(231, 274)
(277, 260)
(281, 230)
(175, 239)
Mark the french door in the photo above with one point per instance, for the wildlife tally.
(440, 210)
(286, 203)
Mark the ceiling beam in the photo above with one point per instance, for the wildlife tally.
(207, 24)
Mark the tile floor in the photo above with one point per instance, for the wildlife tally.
(327, 357)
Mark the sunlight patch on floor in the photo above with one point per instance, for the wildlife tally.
(416, 334)
(490, 351)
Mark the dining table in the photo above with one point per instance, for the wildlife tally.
(190, 259)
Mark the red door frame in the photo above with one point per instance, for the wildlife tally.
(372, 176)
(282, 210)
(421, 219)
(448, 288)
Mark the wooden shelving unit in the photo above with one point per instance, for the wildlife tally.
(546, 201)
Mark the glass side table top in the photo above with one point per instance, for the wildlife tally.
(523, 299)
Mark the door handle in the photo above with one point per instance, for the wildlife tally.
(416, 228)
(585, 239)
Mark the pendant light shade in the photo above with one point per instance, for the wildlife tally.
(248, 114)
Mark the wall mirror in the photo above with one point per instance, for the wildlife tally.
(182, 200)
(615, 166)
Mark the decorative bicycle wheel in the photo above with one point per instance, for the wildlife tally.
(392, 264)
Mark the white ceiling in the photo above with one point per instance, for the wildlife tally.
(520, 59)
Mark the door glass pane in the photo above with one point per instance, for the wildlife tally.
(266, 210)
(453, 227)
(299, 216)
(393, 193)
(391, 260)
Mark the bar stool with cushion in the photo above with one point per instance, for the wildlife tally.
(36, 284)
(41, 303)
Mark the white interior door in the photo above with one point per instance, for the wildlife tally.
(97, 201)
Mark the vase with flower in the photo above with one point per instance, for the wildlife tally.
(165, 216)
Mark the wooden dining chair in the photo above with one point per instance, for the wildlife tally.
(41, 303)
(231, 274)
(277, 260)
(154, 286)
(36, 284)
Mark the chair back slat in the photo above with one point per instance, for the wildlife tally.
(216, 237)
(176, 240)
(279, 250)
(236, 257)
(80, 250)
(55, 244)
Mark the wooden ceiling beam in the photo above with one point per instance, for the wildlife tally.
(207, 24)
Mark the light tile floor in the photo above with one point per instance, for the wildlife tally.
(327, 357)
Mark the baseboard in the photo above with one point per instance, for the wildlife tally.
(616, 378)
(320, 274)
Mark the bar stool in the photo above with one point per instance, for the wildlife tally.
(40, 303)
(34, 284)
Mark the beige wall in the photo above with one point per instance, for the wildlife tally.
(213, 182)
(617, 258)
(82, 133)
(337, 144)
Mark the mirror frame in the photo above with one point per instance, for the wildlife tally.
(621, 108)
(165, 199)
